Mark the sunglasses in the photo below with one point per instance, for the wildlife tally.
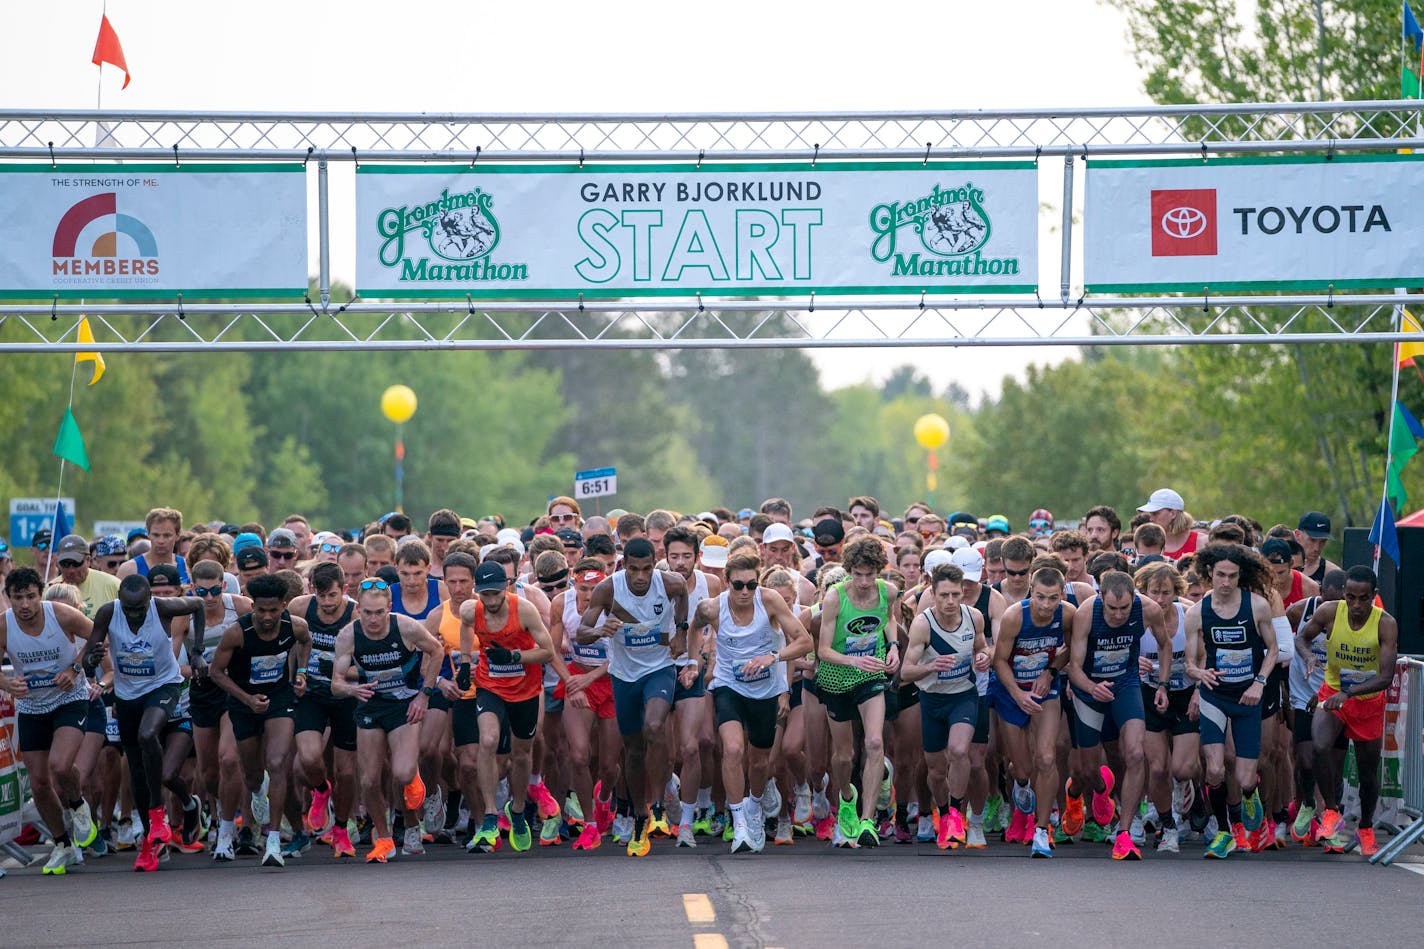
(555, 587)
(911, 520)
(374, 585)
(1040, 524)
(114, 564)
(208, 591)
(282, 555)
(330, 548)
(1017, 573)
(563, 518)
(832, 549)
(743, 584)
(42, 545)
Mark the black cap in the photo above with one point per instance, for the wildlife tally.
(569, 536)
(1276, 547)
(490, 576)
(1314, 524)
(42, 539)
(251, 557)
(828, 531)
(164, 574)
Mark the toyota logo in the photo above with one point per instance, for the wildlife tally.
(1183, 223)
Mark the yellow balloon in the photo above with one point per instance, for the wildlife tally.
(398, 404)
(931, 431)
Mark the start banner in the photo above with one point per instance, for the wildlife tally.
(149, 230)
(557, 231)
(1302, 223)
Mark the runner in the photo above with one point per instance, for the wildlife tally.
(1288, 587)
(261, 664)
(754, 636)
(692, 706)
(650, 603)
(146, 678)
(946, 647)
(95, 586)
(858, 651)
(1166, 509)
(162, 526)
(1107, 695)
(397, 662)
(52, 707)
(1362, 642)
(1306, 678)
(1029, 654)
(1312, 532)
(1101, 526)
(1231, 649)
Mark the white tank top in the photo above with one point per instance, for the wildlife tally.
(737, 644)
(212, 636)
(143, 659)
(39, 659)
(595, 653)
(960, 641)
(695, 595)
(635, 651)
(1301, 689)
(1148, 648)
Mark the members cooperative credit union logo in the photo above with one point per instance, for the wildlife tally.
(95, 239)
(1184, 223)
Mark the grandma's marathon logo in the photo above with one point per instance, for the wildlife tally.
(95, 243)
(953, 227)
(460, 228)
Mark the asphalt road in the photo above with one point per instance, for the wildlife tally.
(802, 896)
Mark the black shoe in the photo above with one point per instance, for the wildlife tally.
(192, 820)
(246, 845)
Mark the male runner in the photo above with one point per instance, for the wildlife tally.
(52, 704)
(1101, 526)
(650, 603)
(1231, 649)
(95, 586)
(397, 662)
(1303, 689)
(163, 525)
(451, 722)
(1313, 533)
(1018, 556)
(1361, 644)
(261, 664)
(692, 707)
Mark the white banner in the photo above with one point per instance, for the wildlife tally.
(1254, 223)
(152, 230)
(557, 231)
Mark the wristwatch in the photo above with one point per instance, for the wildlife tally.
(1261, 679)
(430, 691)
(76, 668)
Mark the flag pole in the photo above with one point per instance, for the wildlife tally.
(59, 491)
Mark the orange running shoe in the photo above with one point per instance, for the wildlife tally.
(1329, 824)
(1073, 815)
(1243, 839)
(415, 794)
(384, 847)
(1366, 836)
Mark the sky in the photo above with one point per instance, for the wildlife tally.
(565, 57)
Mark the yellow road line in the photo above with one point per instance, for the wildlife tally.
(699, 909)
(709, 941)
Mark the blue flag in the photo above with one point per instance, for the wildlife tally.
(61, 525)
(1382, 532)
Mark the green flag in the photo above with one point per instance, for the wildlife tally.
(1404, 437)
(70, 443)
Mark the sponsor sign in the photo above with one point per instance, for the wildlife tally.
(557, 231)
(1252, 223)
(152, 230)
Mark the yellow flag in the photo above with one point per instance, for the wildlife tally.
(86, 335)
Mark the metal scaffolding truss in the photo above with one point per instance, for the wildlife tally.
(1070, 319)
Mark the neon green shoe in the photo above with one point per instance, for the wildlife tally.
(573, 811)
(1094, 833)
(729, 830)
(992, 807)
(1251, 810)
(519, 837)
(702, 822)
(1300, 830)
(848, 815)
(868, 836)
(1221, 846)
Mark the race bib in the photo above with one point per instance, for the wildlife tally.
(111, 725)
(1178, 679)
(862, 645)
(741, 675)
(1110, 663)
(593, 653)
(319, 665)
(960, 672)
(1233, 666)
(268, 669)
(506, 670)
(638, 635)
(137, 665)
(1353, 677)
(41, 677)
(387, 680)
(1030, 667)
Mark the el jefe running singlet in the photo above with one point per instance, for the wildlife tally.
(1352, 654)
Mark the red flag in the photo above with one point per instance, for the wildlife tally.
(107, 49)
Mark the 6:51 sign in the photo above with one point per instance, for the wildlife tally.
(595, 483)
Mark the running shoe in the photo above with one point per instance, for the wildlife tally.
(1151, 820)
(702, 821)
(192, 827)
(638, 844)
(824, 827)
(82, 828)
(519, 837)
(486, 838)
(959, 832)
(1243, 837)
(685, 836)
(943, 838)
(298, 845)
(820, 805)
(319, 814)
(573, 810)
(433, 811)
(548, 807)
(756, 827)
(903, 834)
(503, 818)
(622, 828)
(549, 833)
(992, 807)
(411, 843)
(925, 829)
(261, 806)
(848, 815)
(974, 840)
(1281, 834)
(1094, 833)
(741, 836)
(1168, 842)
(1221, 846)
(1042, 846)
(1138, 830)
(147, 861)
(158, 830)
(341, 844)
(1072, 822)
(603, 815)
(1329, 824)
(1059, 837)
(246, 843)
(784, 837)
(415, 793)
(885, 800)
(223, 849)
(1300, 827)
(1337, 843)
(1019, 828)
(1365, 837)
(771, 798)
(727, 827)
(1024, 799)
(381, 850)
(1252, 813)
(869, 836)
(272, 853)
(839, 839)
(657, 823)
(60, 859)
(126, 834)
(1124, 848)
(1103, 808)
(801, 806)
(884, 825)
(1183, 796)
(1261, 839)
(589, 838)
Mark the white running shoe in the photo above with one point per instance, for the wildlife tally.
(886, 797)
(261, 808)
(1168, 843)
(741, 842)
(501, 796)
(622, 828)
(756, 827)
(783, 831)
(820, 805)
(671, 794)
(1151, 821)
(1183, 796)
(272, 857)
(975, 838)
(222, 850)
(1136, 831)
(685, 837)
(82, 830)
(771, 798)
(412, 846)
(435, 808)
(839, 839)
(801, 812)
(925, 830)
(60, 859)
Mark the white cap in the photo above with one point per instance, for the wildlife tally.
(957, 542)
(714, 555)
(937, 558)
(970, 562)
(507, 535)
(776, 532)
(1163, 499)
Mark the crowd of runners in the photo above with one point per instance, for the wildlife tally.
(719, 679)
